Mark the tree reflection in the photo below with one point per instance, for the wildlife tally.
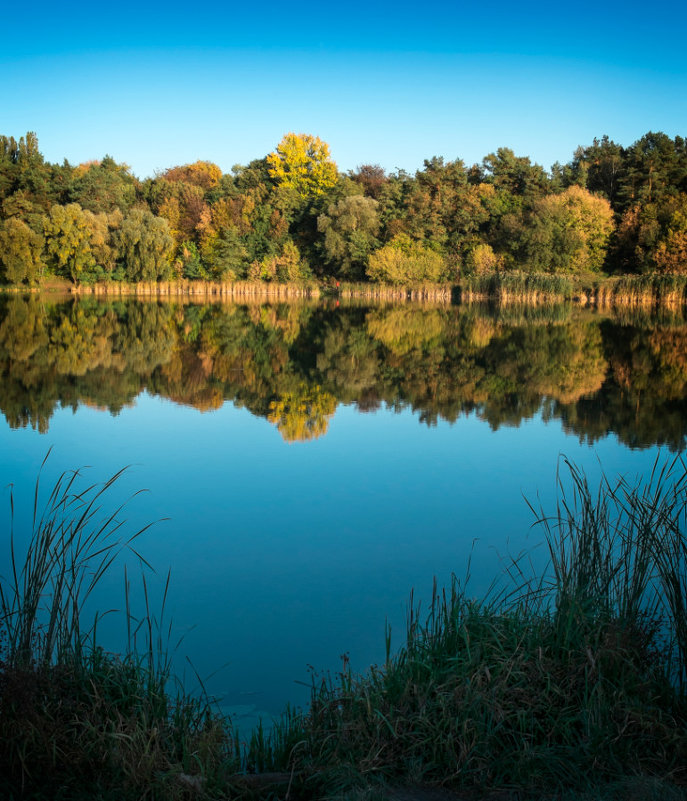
(292, 364)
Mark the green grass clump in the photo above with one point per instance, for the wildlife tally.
(76, 722)
(570, 682)
(102, 727)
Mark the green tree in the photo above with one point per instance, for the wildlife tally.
(190, 263)
(436, 207)
(20, 206)
(225, 254)
(103, 186)
(651, 236)
(656, 166)
(9, 153)
(33, 174)
(568, 232)
(285, 266)
(20, 252)
(515, 174)
(350, 233)
(68, 234)
(671, 253)
(604, 164)
(145, 245)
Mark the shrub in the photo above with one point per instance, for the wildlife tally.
(404, 261)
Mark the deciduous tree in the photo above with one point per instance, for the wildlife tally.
(20, 252)
(204, 174)
(145, 246)
(568, 232)
(671, 253)
(302, 163)
(68, 233)
(350, 233)
(103, 186)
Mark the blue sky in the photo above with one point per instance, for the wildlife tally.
(156, 85)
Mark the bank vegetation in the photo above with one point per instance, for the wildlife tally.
(503, 226)
(569, 684)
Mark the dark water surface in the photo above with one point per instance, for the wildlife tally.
(315, 463)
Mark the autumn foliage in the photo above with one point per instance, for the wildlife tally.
(292, 215)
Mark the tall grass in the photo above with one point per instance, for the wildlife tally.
(76, 722)
(563, 681)
(420, 292)
(549, 685)
(655, 289)
(621, 552)
(203, 290)
(517, 286)
(72, 545)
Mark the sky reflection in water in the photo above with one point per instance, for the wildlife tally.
(285, 555)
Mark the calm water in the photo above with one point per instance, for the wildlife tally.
(314, 464)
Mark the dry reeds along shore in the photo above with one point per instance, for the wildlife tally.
(507, 287)
(641, 291)
(432, 293)
(629, 291)
(229, 290)
(269, 290)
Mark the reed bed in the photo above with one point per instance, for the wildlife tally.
(643, 291)
(230, 290)
(75, 722)
(418, 293)
(516, 286)
(638, 292)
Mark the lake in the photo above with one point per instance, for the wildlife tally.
(309, 464)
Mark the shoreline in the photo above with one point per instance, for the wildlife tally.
(504, 289)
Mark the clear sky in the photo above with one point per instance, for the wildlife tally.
(155, 85)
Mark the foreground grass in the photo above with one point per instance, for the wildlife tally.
(570, 687)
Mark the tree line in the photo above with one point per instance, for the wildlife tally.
(293, 216)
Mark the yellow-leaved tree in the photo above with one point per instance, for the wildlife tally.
(403, 261)
(302, 163)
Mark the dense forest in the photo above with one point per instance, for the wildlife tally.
(293, 363)
(292, 216)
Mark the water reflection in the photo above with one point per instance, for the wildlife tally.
(292, 364)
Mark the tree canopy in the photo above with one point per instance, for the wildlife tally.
(291, 214)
